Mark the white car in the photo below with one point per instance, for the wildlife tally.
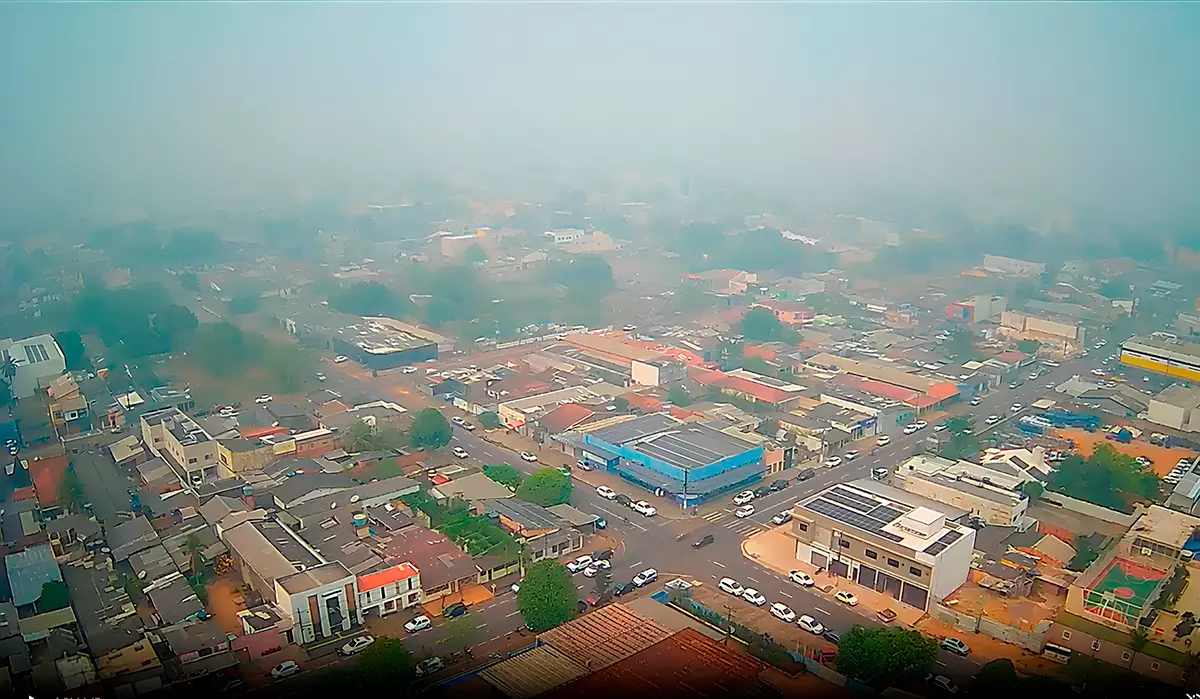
(850, 455)
(883, 441)
(320, 377)
(731, 586)
(408, 370)
(992, 419)
(910, 429)
(645, 577)
(468, 427)
(459, 452)
(939, 428)
(429, 666)
(801, 578)
(605, 492)
(528, 457)
(920, 424)
(285, 669)
(596, 567)
(263, 399)
(754, 597)
(645, 508)
(744, 511)
(1053, 365)
(458, 421)
(782, 612)
(833, 462)
(1017, 407)
(579, 564)
(743, 497)
(810, 625)
(420, 623)
(340, 358)
(356, 645)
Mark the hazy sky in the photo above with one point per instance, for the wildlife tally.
(137, 106)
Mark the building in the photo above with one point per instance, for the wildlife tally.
(542, 533)
(977, 309)
(514, 414)
(1177, 407)
(68, 407)
(1176, 358)
(1063, 333)
(885, 539)
(37, 359)
(377, 346)
(689, 462)
(788, 312)
(1142, 582)
(921, 393)
(241, 455)
(657, 372)
(392, 589)
(757, 388)
(997, 506)
(184, 445)
(1012, 267)
(728, 282)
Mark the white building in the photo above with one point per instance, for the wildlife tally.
(1013, 267)
(38, 359)
(965, 487)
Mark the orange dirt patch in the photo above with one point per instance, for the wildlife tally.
(1164, 458)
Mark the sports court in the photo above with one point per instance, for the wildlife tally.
(1122, 590)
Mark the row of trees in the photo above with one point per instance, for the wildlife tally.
(226, 352)
(133, 322)
(545, 486)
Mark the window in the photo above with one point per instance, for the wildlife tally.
(1066, 635)
(843, 543)
(1155, 666)
(1126, 656)
(192, 460)
(871, 554)
(914, 571)
(802, 526)
(208, 457)
(1096, 644)
(893, 563)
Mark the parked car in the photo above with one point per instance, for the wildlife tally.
(744, 511)
(455, 610)
(320, 377)
(910, 429)
(420, 623)
(602, 555)
(429, 666)
(976, 401)
(731, 586)
(339, 359)
(810, 625)
(920, 424)
(743, 497)
(595, 568)
(880, 474)
(1017, 407)
(956, 646)
(782, 612)
(833, 462)
(940, 428)
(579, 564)
(645, 577)
(285, 669)
(356, 645)
(805, 474)
(458, 421)
(531, 458)
(754, 597)
(782, 518)
(847, 598)
(992, 419)
(605, 492)
(779, 484)
(883, 441)
(801, 578)
(623, 499)
(622, 588)
(459, 452)
(703, 541)
(943, 683)
(850, 455)
(832, 636)
(565, 470)
(263, 399)
(645, 508)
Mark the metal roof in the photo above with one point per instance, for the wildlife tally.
(28, 570)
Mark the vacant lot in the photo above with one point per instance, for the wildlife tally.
(209, 390)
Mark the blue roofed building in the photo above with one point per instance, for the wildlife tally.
(690, 462)
(28, 571)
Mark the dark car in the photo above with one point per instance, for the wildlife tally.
(602, 555)
(761, 491)
(622, 588)
(806, 474)
(581, 606)
(455, 610)
(624, 499)
(832, 636)
(704, 541)
(778, 485)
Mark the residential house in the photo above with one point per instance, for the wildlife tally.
(474, 488)
(543, 533)
(788, 312)
(188, 450)
(728, 282)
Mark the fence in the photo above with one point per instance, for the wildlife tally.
(1034, 640)
(1091, 510)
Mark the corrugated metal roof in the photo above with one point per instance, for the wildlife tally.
(605, 636)
(533, 673)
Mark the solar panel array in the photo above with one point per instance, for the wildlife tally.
(940, 545)
(866, 521)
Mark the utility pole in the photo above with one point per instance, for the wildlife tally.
(729, 625)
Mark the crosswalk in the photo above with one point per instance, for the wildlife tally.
(745, 527)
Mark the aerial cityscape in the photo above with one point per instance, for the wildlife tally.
(535, 351)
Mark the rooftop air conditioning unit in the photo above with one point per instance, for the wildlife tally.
(1146, 551)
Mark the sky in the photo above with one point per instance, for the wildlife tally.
(113, 109)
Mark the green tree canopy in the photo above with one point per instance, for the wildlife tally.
(504, 475)
(174, 321)
(678, 395)
(546, 487)
(1107, 478)
(547, 597)
(996, 680)
(490, 420)
(368, 298)
(887, 654)
(385, 665)
(761, 325)
(621, 403)
(758, 365)
(1027, 346)
(430, 430)
(70, 489)
(476, 254)
(961, 344)
(72, 348)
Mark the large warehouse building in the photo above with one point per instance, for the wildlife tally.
(1177, 358)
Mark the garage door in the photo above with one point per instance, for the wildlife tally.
(866, 576)
(819, 559)
(888, 585)
(839, 568)
(915, 596)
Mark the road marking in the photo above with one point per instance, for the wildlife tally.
(635, 565)
(481, 626)
(820, 611)
(941, 663)
(506, 616)
(787, 595)
(718, 563)
(751, 579)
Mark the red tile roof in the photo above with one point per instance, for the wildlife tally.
(1011, 356)
(564, 417)
(47, 475)
(26, 493)
(887, 390)
(760, 392)
(645, 403)
(373, 581)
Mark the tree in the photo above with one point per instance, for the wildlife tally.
(476, 254)
(1085, 554)
(174, 321)
(961, 344)
(5, 393)
(1027, 346)
(430, 430)
(71, 489)
(1107, 478)
(490, 420)
(504, 475)
(547, 597)
(546, 487)
(761, 325)
(1138, 638)
(758, 365)
(997, 679)
(54, 596)
(191, 548)
(368, 298)
(243, 304)
(385, 665)
(678, 395)
(621, 403)
(71, 344)
(1034, 489)
(886, 654)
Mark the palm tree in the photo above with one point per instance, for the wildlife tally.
(8, 371)
(192, 547)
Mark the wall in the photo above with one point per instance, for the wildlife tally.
(1033, 640)
(1089, 509)
(1116, 654)
(644, 374)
